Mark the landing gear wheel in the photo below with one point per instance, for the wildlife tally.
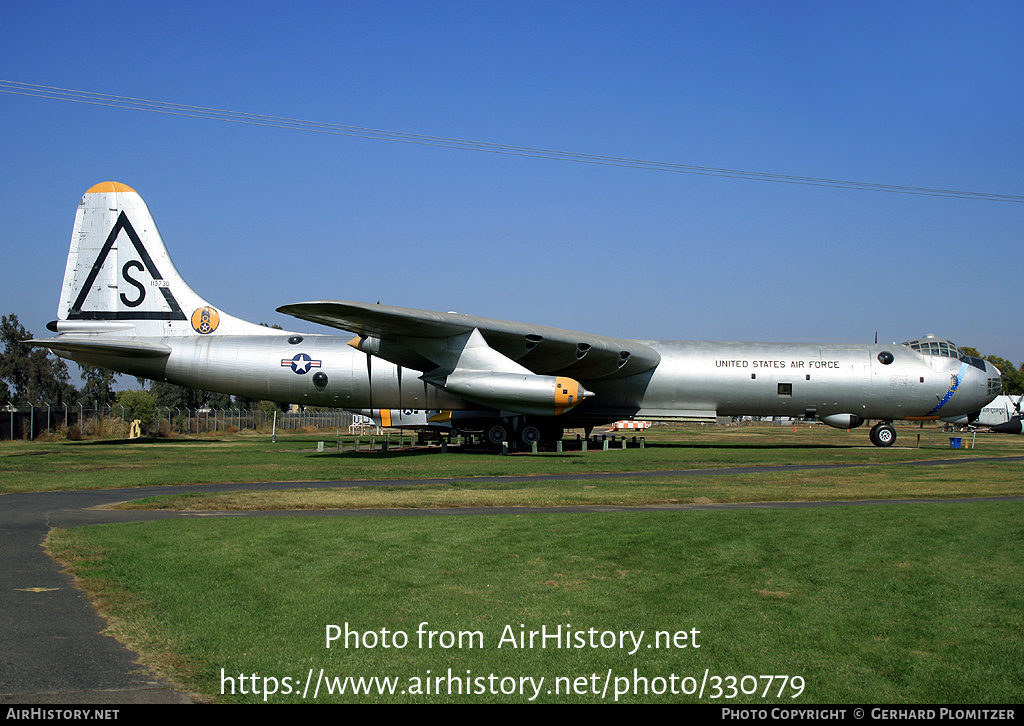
(883, 435)
(496, 434)
(530, 434)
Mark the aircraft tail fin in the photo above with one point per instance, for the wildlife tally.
(120, 279)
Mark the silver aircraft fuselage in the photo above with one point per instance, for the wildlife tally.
(694, 380)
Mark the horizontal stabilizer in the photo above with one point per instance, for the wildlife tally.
(127, 348)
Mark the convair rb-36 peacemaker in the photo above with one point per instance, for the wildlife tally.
(125, 307)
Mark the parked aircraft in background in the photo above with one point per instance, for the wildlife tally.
(630, 426)
(439, 422)
(1002, 415)
(124, 306)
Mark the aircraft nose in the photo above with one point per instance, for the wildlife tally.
(993, 382)
(993, 374)
(981, 384)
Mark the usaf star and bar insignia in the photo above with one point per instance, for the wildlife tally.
(300, 363)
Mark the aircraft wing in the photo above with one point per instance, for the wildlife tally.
(403, 334)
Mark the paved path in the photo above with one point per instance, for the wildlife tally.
(52, 649)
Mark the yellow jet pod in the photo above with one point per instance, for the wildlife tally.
(517, 392)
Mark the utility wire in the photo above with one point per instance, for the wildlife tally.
(253, 119)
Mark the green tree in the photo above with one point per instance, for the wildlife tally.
(97, 386)
(169, 395)
(138, 404)
(32, 375)
(219, 400)
(246, 404)
(267, 407)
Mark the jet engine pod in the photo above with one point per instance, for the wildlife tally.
(518, 392)
(1013, 426)
(843, 420)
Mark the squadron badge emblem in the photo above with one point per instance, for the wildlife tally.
(205, 320)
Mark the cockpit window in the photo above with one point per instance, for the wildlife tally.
(930, 345)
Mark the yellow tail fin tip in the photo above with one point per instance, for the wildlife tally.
(110, 186)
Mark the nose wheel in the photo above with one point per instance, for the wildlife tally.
(883, 434)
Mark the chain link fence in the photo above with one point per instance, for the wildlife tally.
(74, 422)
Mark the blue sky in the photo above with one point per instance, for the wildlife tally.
(924, 94)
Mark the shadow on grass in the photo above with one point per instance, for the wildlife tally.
(403, 453)
(574, 450)
(143, 440)
(692, 445)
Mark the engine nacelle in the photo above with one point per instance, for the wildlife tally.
(392, 352)
(517, 392)
(842, 420)
(1014, 426)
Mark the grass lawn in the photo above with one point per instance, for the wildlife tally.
(103, 464)
(896, 604)
(907, 603)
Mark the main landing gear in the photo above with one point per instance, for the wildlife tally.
(883, 434)
(527, 433)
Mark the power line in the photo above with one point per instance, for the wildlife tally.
(254, 119)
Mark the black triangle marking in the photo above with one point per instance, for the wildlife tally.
(76, 312)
